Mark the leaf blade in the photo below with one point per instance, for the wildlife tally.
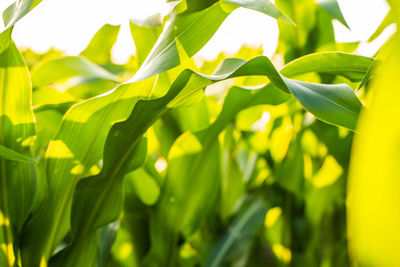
(263, 6)
(332, 7)
(10, 154)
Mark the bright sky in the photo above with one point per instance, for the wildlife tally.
(69, 25)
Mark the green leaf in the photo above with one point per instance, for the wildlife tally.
(17, 179)
(133, 231)
(189, 6)
(47, 123)
(45, 96)
(232, 178)
(107, 236)
(106, 207)
(140, 183)
(353, 67)
(326, 102)
(368, 74)
(145, 34)
(192, 117)
(98, 50)
(84, 88)
(294, 41)
(61, 69)
(6, 153)
(388, 20)
(264, 6)
(332, 7)
(247, 222)
(324, 189)
(290, 170)
(17, 11)
(335, 104)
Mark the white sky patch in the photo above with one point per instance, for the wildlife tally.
(243, 26)
(160, 165)
(69, 26)
(262, 122)
(363, 22)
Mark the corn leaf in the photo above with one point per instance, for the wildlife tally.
(61, 69)
(350, 66)
(9, 154)
(293, 41)
(247, 222)
(264, 6)
(98, 50)
(332, 7)
(368, 74)
(18, 179)
(388, 20)
(328, 102)
(145, 34)
(17, 11)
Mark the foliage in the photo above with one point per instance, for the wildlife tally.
(170, 160)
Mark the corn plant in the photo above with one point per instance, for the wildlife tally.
(171, 160)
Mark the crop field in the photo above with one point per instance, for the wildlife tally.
(175, 160)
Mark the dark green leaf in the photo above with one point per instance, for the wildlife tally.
(6, 153)
(332, 7)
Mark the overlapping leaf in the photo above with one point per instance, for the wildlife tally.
(186, 33)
